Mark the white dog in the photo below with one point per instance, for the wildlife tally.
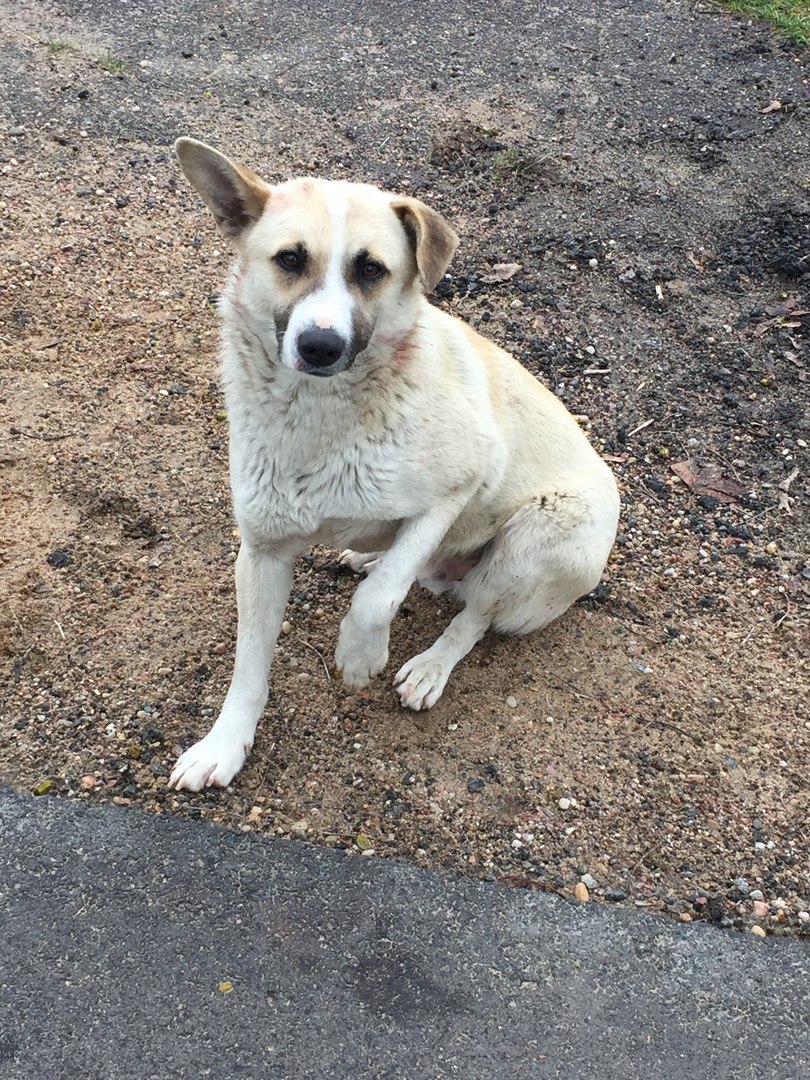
(361, 417)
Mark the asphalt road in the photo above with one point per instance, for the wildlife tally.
(122, 932)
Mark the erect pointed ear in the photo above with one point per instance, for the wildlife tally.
(234, 195)
(432, 239)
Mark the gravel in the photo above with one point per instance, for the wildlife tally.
(671, 703)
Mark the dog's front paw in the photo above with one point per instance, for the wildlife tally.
(360, 655)
(212, 762)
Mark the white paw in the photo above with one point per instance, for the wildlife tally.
(212, 762)
(360, 656)
(420, 682)
(359, 561)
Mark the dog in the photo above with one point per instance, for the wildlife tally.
(364, 418)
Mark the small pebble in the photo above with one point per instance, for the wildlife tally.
(758, 931)
(588, 881)
(804, 916)
(756, 894)
(685, 916)
(581, 891)
(615, 895)
(564, 804)
(299, 830)
(286, 627)
(761, 909)
(511, 702)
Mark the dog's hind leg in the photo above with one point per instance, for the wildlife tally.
(358, 561)
(550, 552)
(421, 681)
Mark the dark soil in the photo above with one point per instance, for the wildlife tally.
(627, 158)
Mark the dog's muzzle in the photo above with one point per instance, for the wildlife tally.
(322, 352)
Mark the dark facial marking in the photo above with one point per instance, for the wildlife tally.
(292, 260)
(367, 271)
(362, 329)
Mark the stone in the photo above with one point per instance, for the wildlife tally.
(615, 895)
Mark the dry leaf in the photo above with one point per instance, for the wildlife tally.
(501, 272)
(695, 261)
(784, 487)
(225, 986)
(708, 480)
(783, 314)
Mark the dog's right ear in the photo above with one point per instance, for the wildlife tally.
(236, 196)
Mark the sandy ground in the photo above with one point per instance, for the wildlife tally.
(649, 177)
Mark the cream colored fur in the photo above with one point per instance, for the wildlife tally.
(434, 455)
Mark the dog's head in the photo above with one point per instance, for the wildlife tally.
(335, 266)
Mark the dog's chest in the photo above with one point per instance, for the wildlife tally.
(303, 478)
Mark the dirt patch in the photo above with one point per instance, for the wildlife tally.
(655, 739)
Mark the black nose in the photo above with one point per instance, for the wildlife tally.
(320, 348)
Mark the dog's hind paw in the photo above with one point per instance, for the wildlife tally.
(358, 561)
(212, 762)
(421, 681)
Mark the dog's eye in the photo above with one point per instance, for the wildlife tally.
(370, 269)
(290, 260)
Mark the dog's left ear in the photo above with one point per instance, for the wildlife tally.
(432, 239)
(234, 194)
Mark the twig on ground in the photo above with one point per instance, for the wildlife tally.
(44, 435)
(263, 780)
(649, 851)
(673, 727)
(18, 664)
(319, 654)
(641, 427)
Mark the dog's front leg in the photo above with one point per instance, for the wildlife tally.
(362, 649)
(263, 582)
